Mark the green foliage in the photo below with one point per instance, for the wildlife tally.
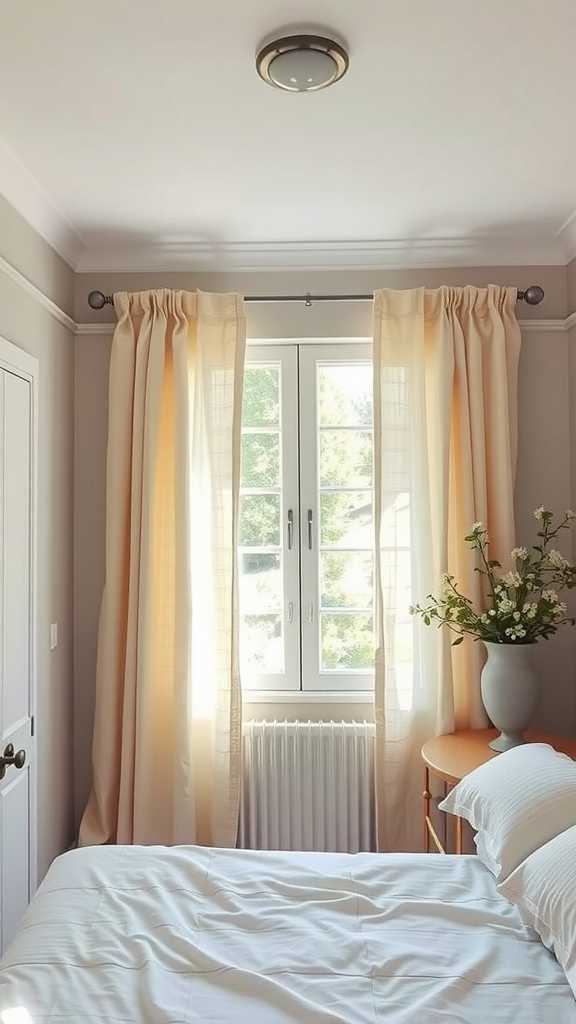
(347, 642)
(261, 405)
(260, 460)
(345, 458)
(259, 520)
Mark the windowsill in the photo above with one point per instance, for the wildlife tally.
(308, 696)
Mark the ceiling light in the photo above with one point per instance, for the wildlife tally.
(302, 63)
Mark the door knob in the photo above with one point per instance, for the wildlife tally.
(18, 759)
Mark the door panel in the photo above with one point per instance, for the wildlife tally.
(16, 689)
(17, 808)
(14, 828)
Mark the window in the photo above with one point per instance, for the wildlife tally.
(306, 519)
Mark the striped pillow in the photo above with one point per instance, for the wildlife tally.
(517, 802)
(544, 890)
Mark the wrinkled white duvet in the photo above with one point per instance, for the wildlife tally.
(182, 935)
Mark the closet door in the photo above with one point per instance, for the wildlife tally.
(17, 804)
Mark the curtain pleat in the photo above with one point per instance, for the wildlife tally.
(167, 733)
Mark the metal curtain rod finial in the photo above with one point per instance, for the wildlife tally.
(532, 296)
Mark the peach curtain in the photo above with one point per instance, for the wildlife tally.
(167, 734)
(445, 425)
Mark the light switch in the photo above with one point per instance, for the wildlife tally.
(53, 636)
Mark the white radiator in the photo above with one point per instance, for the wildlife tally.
(308, 786)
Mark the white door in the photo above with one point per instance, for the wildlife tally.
(18, 380)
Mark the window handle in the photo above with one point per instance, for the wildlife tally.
(290, 612)
(290, 529)
(309, 519)
(311, 612)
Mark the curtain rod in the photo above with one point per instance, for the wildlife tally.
(532, 295)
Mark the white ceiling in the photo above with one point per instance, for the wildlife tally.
(139, 133)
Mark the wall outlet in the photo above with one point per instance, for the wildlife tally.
(53, 636)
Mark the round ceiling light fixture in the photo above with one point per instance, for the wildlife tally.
(302, 63)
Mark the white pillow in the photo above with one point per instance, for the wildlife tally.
(544, 890)
(517, 801)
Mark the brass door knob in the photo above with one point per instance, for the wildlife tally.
(17, 759)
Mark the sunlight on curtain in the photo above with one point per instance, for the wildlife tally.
(445, 436)
(167, 734)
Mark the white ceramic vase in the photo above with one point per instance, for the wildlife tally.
(510, 690)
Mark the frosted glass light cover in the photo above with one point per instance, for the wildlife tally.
(303, 70)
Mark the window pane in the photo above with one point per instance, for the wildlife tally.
(346, 579)
(346, 458)
(345, 395)
(346, 519)
(261, 648)
(259, 520)
(347, 642)
(260, 583)
(261, 460)
(261, 406)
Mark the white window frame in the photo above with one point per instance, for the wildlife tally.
(302, 678)
(313, 676)
(286, 357)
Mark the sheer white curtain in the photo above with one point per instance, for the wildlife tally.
(445, 438)
(167, 734)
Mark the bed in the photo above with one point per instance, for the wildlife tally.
(188, 934)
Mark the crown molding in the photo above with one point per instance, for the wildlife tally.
(30, 200)
(399, 254)
(570, 322)
(35, 293)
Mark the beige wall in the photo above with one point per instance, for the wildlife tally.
(544, 473)
(571, 287)
(25, 323)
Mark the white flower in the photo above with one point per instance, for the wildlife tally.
(515, 632)
(505, 606)
(539, 512)
(560, 610)
(517, 616)
(512, 579)
(569, 514)
(484, 618)
(491, 612)
(521, 553)
(477, 526)
(556, 559)
(550, 595)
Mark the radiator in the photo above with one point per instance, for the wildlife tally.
(308, 786)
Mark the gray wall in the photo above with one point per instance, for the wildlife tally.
(544, 474)
(25, 323)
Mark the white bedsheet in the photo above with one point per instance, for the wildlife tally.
(182, 935)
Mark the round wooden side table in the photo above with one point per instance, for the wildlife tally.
(449, 758)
